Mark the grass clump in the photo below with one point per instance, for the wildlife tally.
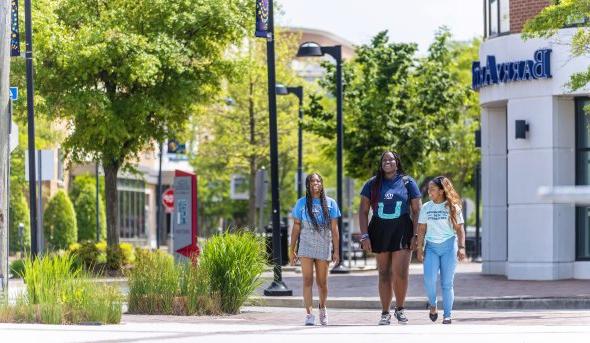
(59, 292)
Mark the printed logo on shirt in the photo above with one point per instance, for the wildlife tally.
(438, 215)
(388, 195)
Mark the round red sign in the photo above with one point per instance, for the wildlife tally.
(168, 199)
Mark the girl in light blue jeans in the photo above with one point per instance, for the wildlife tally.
(441, 242)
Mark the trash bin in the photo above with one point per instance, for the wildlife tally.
(284, 243)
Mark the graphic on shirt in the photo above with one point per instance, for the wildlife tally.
(394, 215)
(438, 214)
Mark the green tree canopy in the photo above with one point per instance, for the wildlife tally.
(233, 132)
(395, 101)
(560, 14)
(123, 73)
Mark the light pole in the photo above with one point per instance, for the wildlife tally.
(477, 196)
(297, 91)
(311, 49)
(31, 127)
(265, 13)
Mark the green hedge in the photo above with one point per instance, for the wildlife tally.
(59, 222)
(19, 213)
(85, 207)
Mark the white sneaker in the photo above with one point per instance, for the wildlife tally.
(385, 319)
(310, 320)
(323, 316)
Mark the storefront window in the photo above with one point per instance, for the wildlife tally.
(497, 17)
(582, 177)
(132, 208)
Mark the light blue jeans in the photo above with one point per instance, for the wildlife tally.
(440, 257)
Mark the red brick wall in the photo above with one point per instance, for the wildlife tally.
(523, 10)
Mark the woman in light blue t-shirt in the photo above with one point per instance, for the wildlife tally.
(314, 234)
(441, 225)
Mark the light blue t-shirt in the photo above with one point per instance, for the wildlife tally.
(300, 212)
(437, 219)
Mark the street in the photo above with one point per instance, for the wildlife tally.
(260, 324)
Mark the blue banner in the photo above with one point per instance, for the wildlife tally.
(262, 18)
(14, 35)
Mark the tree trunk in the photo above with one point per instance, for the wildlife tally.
(4, 179)
(110, 186)
(252, 158)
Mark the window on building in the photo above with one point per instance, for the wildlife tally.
(582, 177)
(497, 17)
(132, 201)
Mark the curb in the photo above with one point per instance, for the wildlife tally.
(415, 303)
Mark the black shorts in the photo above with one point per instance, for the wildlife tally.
(388, 235)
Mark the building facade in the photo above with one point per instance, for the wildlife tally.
(534, 133)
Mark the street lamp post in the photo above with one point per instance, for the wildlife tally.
(277, 287)
(31, 127)
(311, 49)
(297, 91)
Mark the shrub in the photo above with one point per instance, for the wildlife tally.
(195, 285)
(234, 262)
(19, 213)
(158, 285)
(128, 253)
(60, 222)
(59, 293)
(114, 258)
(86, 253)
(153, 284)
(85, 208)
(17, 268)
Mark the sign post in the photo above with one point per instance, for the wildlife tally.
(184, 227)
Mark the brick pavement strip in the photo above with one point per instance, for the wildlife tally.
(473, 290)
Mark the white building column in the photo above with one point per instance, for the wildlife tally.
(494, 188)
(541, 235)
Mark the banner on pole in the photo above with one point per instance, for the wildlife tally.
(14, 34)
(262, 18)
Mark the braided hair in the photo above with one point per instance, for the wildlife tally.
(451, 196)
(380, 174)
(309, 202)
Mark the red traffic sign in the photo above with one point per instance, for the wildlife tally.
(168, 200)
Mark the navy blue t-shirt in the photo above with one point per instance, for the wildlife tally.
(393, 200)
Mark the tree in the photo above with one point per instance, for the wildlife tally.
(85, 207)
(123, 73)
(394, 101)
(59, 222)
(233, 133)
(19, 213)
(560, 14)
(459, 161)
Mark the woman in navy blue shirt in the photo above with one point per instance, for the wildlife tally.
(395, 200)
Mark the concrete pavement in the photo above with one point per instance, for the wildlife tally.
(259, 324)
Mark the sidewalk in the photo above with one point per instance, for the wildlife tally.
(473, 290)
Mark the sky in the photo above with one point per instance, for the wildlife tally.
(406, 20)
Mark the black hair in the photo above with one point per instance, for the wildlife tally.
(380, 174)
(309, 202)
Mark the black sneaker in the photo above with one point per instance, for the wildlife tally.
(400, 315)
(447, 321)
